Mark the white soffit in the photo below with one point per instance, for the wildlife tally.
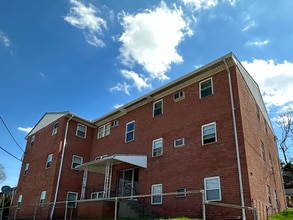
(100, 164)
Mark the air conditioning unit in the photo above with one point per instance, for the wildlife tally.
(179, 142)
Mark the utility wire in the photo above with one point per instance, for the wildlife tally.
(10, 154)
(11, 134)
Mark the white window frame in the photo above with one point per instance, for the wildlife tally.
(97, 195)
(155, 109)
(42, 198)
(74, 163)
(218, 188)
(269, 195)
(104, 130)
(202, 133)
(129, 131)
(71, 202)
(156, 194)
(26, 169)
(179, 140)
(49, 161)
(32, 140)
(78, 130)
(19, 201)
(55, 128)
(154, 148)
(200, 87)
(179, 95)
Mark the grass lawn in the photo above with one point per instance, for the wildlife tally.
(285, 215)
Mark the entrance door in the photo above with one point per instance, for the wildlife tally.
(127, 182)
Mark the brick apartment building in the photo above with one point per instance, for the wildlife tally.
(208, 130)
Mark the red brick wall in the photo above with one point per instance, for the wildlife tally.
(259, 172)
(183, 166)
(39, 178)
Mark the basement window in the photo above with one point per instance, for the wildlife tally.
(181, 192)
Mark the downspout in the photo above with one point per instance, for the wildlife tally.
(60, 168)
(236, 142)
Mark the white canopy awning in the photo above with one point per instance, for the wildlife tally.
(99, 165)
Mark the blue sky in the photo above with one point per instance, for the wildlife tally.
(89, 57)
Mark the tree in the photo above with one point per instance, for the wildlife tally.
(2, 174)
(285, 123)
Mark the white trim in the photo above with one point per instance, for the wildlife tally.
(153, 142)
(72, 161)
(212, 86)
(156, 194)
(154, 103)
(85, 129)
(202, 137)
(126, 132)
(219, 188)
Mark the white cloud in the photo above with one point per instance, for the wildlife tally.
(151, 38)
(124, 87)
(274, 79)
(257, 43)
(118, 105)
(201, 4)
(250, 25)
(26, 130)
(85, 18)
(4, 39)
(140, 82)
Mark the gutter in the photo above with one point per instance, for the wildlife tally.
(236, 141)
(60, 168)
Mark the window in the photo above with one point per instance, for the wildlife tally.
(157, 191)
(179, 95)
(209, 133)
(206, 88)
(263, 153)
(97, 195)
(179, 142)
(269, 194)
(271, 162)
(32, 140)
(104, 130)
(114, 123)
(181, 192)
(129, 134)
(42, 198)
(26, 169)
(55, 128)
(157, 147)
(277, 199)
(71, 199)
(19, 201)
(212, 188)
(76, 161)
(81, 131)
(49, 161)
(158, 108)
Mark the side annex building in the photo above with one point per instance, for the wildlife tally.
(206, 133)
